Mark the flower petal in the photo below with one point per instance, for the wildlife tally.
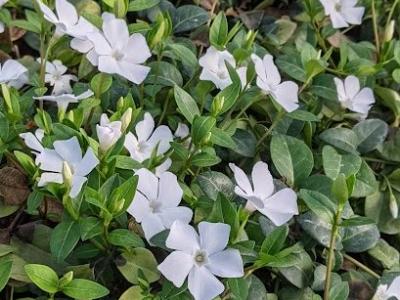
(147, 184)
(241, 179)
(340, 89)
(116, 32)
(87, 164)
(337, 20)
(203, 285)
(262, 180)
(213, 236)
(139, 207)
(182, 237)
(49, 160)
(76, 185)
(170, 215)
(286, 95)
(133, 72)
(66, 12)
(169, 191)
(69, 150)
(137, 49)
(31, 141)
(145, 127)
(273, 76)
(281, 206)
(48, 14)
(162, 137)
(363, 100)
(353, 15)
(46, 178)
(351, 86)
(227, 264)
(394, 288)
(151, 225)
(176, 267)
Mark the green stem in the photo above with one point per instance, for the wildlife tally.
(331, 254)
(391, 13)
(375, 27)
(165, 108)
(361, 266)
(278, 118)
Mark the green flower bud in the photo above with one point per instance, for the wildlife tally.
(89, 7)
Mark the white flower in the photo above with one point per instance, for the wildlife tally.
(13, 74)
(269, 80)
(279, 207)
(66, 158)
(147, 139)
(2, 2)
(156, 201)
(201, 257)
(108, 132)
(56, 77)
(67, 20)
(343, 12)
(64, 99)
(119, 53)
(34, 141)
(384, 292)
(182, 131)
(215, 70)
(351, 97)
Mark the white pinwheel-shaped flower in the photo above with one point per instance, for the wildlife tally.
(269, 80)
(56, 77)
(108, 132)
(13, 74)
(215, 70)
(65, 164)
(64, 100)
(156, 201)
(354, 98)
(147, 139)
(119, 53)
(384, 292)
(67, 20)
(201, 257)
(343, 12)
(260, 194)
(2, 2)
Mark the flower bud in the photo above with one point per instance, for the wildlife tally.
(116, 206)
(389, 31)
(126, 119)
(394, 208)
(217, 106)
(89, 7)
(66, 279)
(67, 174)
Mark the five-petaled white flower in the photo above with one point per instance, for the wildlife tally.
(351, 96)
(260, 194)
(65, 164)
(108, 132)
(384, 292)
(56, 77)
(215, 70)
(13, 74)
(2, 2)
(119, 53)
(343, 12)
(201, 257)
(147, 139)
(269, 80)
(64, 99)
(156, 201)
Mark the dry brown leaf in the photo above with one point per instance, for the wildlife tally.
(13, 186)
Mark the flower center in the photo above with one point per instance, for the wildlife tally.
(222, 74)
(117, 55)
(154, 206)
(338, 7)
(200, 257)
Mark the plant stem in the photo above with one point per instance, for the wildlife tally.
(361, 266)
(375, 27)
(390, 15)
(331, 254)
(278, 117)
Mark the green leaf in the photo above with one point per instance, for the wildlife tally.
(303, 115)
(206, 159)
(138, 259)
(126, 191)
(358, 239)
(221, 138)
(366, 183)
(188, 17)
(101, 83)
(139, 5)
(201, 128)
(219, 31)
(164, 73)
(125, 238)
(90, 227)
(5, 272)
(340, 191)
(335, 163)
(292, 158)
(238, 288)
(274, 242)
(185, 55)
(387, 255)
(390, 98)
(212, 183)
(341, 138)
(85, 289)
(134, 292)
(43, 276)
(319, 204)
(371, 133)
(64, 238)
(299, 273)
(339, 291)
(356, 221)
(186, 104)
